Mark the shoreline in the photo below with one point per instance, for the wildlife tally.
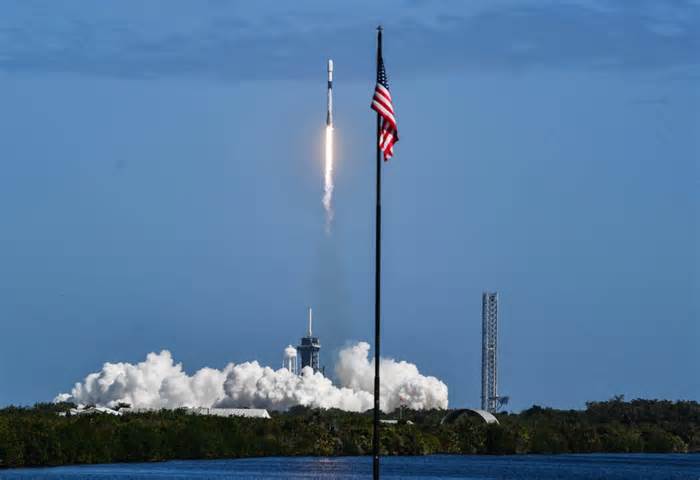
(39, 437)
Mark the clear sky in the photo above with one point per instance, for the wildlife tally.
(161, 188)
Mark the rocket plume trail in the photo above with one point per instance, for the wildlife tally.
(328, 179)
(328, 173)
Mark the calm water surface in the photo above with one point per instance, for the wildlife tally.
(570, 467)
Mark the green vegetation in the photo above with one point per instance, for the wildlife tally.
(38, 436)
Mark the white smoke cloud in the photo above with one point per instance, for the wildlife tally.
(159, 382)
(290, 352)
(401, 382)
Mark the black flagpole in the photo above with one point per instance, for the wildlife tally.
(377, 283)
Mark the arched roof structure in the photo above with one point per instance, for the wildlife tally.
(452, 417)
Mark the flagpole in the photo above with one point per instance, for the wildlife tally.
(377, 282)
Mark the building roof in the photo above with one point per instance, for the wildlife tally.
(238, 412)
(219, 412)
(90, 411)
(452, 416)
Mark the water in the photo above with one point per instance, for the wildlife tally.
(569, 467)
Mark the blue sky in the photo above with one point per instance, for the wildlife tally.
(161, 188)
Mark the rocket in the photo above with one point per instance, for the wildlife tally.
(328, 164)
(329, 113)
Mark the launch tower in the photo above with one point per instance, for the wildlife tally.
(489, 352)
(309, 348)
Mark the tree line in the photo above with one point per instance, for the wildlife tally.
(38, 436)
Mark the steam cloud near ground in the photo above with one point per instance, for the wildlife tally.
(159, 382)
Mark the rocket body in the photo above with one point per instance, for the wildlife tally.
(329, 113)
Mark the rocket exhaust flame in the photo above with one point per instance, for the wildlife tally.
(328, 168)
(328, 179)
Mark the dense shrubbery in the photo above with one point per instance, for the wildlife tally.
(37, 436)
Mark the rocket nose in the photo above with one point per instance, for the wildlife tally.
(330, 65)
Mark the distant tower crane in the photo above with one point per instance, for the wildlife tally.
(490, 401)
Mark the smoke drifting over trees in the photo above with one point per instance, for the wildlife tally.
(159, 382)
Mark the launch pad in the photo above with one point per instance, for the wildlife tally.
(306, 354)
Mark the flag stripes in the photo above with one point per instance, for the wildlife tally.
(382, 104)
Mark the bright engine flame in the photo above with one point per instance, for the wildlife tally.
(328, 179)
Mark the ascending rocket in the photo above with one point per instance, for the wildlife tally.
(328, 166)
(329, 114)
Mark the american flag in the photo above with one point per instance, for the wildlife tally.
(381, 103)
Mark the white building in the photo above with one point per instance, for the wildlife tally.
(89, 411)
(218, 412)
(234, 412)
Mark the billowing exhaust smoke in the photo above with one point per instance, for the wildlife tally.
(159, 382)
